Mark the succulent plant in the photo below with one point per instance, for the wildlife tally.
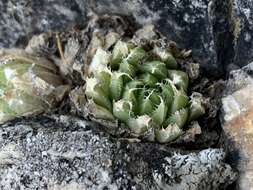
(144, 89)
(28, 85)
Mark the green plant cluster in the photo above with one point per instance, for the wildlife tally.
(28, 85)
(144, 89)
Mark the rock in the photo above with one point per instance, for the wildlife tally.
(237, 114)
(209, 28)
(185, 22)
(224, 29)
(22, 19)
(243, 19)
(62, 152)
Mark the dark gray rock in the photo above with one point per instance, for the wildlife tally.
(65, 153)
(185, 22)
(243, 16)
(201, 25)
(23, 18)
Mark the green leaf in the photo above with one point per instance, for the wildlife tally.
(105, 79)
(135, 56)
(180, 101)
(119, 52)
(99, 111)
(125, 67)
(196, 106)
(148, 79)
(166, 57)
(134, 84)
(140, 125)
(122, 110)
(157, 68)
(28, 85)
(168, 134)
(179, 78)
(179, 118)
(154, 97)
(95, 91)
(24, 104)
(167, 93)
(145, 106)
(129, 95)
(116, 86)
(160, 113)
(101, 99)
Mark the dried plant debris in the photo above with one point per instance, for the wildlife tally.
(28, 85)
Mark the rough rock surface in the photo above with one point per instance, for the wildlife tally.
(237, 108)
(200, 25)
(219, 32)
(186, 22)
(243, 13)
(65, 153)
(21, 19)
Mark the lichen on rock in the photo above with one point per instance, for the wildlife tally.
(64, 152)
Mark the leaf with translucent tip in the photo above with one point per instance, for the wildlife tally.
(129, 95)
(157, 68)
(122, 110)
(180, 101)
(154, 97)
(99, 111)
(168, 134)
(101, 99)
(125, 67)
(104, 80)
(148, 79)
(140, 125)
(166, 57)
(167, 93)
(179, 118)
(159, 114)
(145, 106)
(135, 56)
(119, 52)
(179, 78)
(196, 106)
(134, 84)
(95, 91)
(116, 86)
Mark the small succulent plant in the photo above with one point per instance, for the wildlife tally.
(28, 85)
(144, 89)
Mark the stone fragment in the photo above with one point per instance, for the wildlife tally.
(237, 114)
